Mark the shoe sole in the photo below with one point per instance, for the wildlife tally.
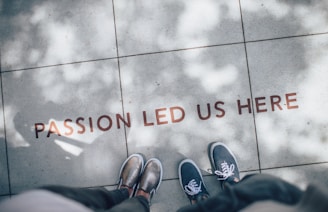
(198, 170)
(211, 147)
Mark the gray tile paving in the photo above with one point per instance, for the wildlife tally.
(37, 33)
(155, 84)
(4, 185)
(167, 25)
(61, 125)
(297, 129)
(273, 19)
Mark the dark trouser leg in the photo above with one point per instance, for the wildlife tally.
(136, 204)
(249, 190)
(92, 198)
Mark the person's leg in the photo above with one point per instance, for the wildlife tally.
(130, 173)
(249, 190)
(239, 194)
(260, 187)
(99, 198)
(149, 183)
(252, 187)
(136, 204)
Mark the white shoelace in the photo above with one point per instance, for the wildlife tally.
(193, 188)
(227, 171)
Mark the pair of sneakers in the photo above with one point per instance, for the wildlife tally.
(136, 176)
(224, 166)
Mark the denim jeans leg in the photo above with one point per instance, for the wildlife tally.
(250, 189)
(99, 198)
(135, 204)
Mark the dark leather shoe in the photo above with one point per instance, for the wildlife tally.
(151, 177)
(131, 171)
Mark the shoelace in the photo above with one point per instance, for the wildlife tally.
(193, 188)
(227, 171)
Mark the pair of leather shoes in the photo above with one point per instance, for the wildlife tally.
(136, 175)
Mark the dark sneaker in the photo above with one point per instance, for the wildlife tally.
(191, 181)
(130, 172)
(224, 163)
(151, 177)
